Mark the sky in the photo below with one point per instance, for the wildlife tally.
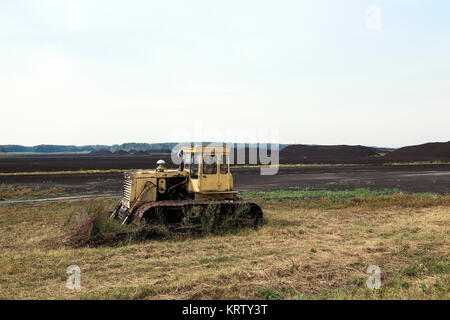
(351, 72)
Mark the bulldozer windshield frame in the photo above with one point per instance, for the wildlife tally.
(194, 165)
(187, 158)
(223, 164)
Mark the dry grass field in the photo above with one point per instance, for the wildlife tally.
(310, 247)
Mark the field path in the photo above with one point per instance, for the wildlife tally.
(112, 195)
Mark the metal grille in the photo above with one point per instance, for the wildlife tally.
(127, 188)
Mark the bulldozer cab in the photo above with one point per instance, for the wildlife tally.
(209, 172)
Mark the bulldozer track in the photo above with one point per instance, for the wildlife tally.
(139, 213)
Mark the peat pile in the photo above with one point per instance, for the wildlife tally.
(424, 152)
(121, 152)
(137, 153)
(249, 156)
(100, 153)
(149, 152)
(74, 162)
(153, 151)
(328, 154)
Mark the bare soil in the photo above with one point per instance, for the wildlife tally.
(408, 178)
(328, 154)
(293, 154)
(44, 163)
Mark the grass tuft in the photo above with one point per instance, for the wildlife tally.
(268, 293)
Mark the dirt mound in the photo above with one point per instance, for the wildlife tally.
(140, 152)
(121, 152)
(249, 156)
(158, 151)
(100, 153)
(427, 151)
(149, 152)
(327, 154)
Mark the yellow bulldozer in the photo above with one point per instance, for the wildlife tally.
(168, 195)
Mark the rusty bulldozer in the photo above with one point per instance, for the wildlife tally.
(169, 197)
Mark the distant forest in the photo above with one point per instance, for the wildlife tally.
(131, 146)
